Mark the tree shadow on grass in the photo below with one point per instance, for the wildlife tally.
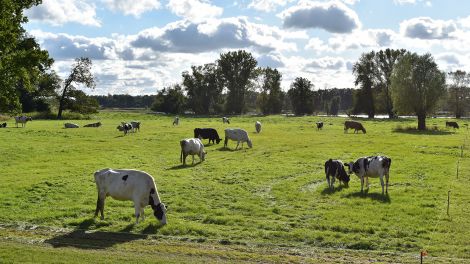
(383, 198)
(328, 191)
(428, 132)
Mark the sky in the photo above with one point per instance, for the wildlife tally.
(140, 47)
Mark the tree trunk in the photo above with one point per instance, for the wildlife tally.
(62, 101)
(421, 122)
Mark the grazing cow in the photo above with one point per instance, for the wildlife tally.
(452, 124)
(135, 125)
(207, 133)
(374, 166)
(71, 125)
(129, 185)
(192, 146)
(125, 127)
(237, 134)
(258, 126)
(176, 121)
(97, 124)
(319, 125)
(22, 120)
(335, 169)
(3, 125)
(353, 125)
(225, 120)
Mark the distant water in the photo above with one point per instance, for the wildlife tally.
(386, 116)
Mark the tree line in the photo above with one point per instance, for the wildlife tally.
(389, 81)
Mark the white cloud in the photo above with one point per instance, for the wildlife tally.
(428, 28)
(333, 16)
(327, 63)
(134, 8)
(267, 5)
(212, 35)
(194, 10)
(270, 60)
(59, 12)
(370, 39)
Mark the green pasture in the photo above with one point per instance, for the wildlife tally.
(273, 195)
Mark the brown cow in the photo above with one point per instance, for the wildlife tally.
(353, 125)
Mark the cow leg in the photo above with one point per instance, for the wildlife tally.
(362, 183)
(142, 214)
(382, 183)
(137, 212)
(100, 205)
(328, 181)
(184, 158)
(193, 159)
(238, 142)
(367, 182)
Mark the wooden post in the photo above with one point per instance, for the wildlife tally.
(448, 202)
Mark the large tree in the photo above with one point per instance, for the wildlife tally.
(80, 74)
(203, 88)
(45, 94)
(271, 97)
(372, 73)
(301, 96)
(385, 61)
(170, 100)
(237, 69)
(21, 59)
(458, 92)
(365, 72)
(417, 84)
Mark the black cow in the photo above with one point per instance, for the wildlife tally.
(335, 169)
(452, 124)
(3, 125)
(207, 133)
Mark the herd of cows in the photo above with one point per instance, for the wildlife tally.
(139, 186)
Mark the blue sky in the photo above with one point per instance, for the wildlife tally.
(140, 47)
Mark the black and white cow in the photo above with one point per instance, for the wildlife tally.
(374, 167)
(3, 125)
(319, 125)
(133, 185)
(225, 120)
(125, 127)
(207, 133)
(334, 169)
(22, 120)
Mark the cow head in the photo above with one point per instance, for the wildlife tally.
(203, 155)
(350, 166)
(159, 211)
(218, 140)
(249, 143)
(344, 177)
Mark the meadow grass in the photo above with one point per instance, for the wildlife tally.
(273, 195)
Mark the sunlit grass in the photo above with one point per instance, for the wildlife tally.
(272, 194)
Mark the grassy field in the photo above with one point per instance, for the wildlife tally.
(268, 203)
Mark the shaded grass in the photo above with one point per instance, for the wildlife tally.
(273, 194)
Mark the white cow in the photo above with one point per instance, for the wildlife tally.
(129, 185)
(225, 120)
(374, 167)
(237, 134)
(258, 126)
(22, 120)
(176, 121)
(71, 125)
(192, 146)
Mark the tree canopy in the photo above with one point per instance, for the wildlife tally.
(301, 96)
(417, 84)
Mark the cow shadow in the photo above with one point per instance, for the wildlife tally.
(227, 149)
(84, 239)
(182, 166)
(328, 190)
(383, 198)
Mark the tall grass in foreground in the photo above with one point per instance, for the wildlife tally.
(273, 194)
